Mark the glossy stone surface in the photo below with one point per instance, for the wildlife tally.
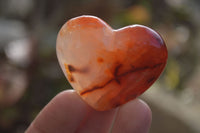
(109, 67)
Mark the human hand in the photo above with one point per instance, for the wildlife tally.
(68, 113)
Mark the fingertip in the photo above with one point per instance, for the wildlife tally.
(147, 115)
(66, 97)
(143, 114)
(135, 116)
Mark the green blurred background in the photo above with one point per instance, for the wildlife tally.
(30, 75)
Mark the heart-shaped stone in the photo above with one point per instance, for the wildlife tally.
(107, 67)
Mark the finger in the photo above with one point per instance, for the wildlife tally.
(68, 113)
(133, 117)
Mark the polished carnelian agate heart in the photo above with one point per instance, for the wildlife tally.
(109, 67)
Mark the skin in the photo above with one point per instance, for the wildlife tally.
(68, 113)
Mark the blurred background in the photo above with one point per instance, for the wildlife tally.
(30, 75)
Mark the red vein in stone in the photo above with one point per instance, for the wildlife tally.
(96, 87)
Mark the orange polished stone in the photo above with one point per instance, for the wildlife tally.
(107, 67)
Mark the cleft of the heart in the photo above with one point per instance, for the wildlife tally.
(108, 67)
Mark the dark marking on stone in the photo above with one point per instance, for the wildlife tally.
(150, 80)
(95, 88)
(100, 60)
(117, 80)
(117, 69)
(71, 79)
(71, 68)
(117, 76)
